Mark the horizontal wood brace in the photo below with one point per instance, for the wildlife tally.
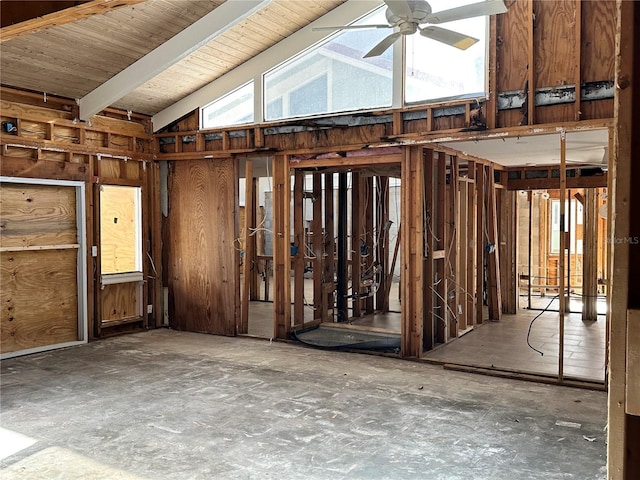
(120, 321)
(26, 248)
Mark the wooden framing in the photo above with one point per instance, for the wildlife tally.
(382, 217)
(463, 207)
(590, 274)
(298, 249)
(480, 240)
(413, 307)
(624, 400)
(563, 247)
(249, 246)
(317, 242)
(281, 246)
(492, 252)
(357, 212)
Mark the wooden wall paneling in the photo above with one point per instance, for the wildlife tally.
(317, 244)
(532, 23)
(382, 251)
(555, 42)
(203, 263)
(357, 208)
(247, 259)
(590, 243)
(299, 245)
(52, 276)
(577, 58)
(12, 166)
(413, 252)
(282, 245)
(328, 283)
(38, 215)
(598, 53)
(494, 290)
(480, 239)
(120, 303)
(369, 231)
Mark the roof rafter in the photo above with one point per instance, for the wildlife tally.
(173, 50)
(68, 15)
(283, 50)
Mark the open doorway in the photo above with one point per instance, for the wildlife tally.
(585, 233)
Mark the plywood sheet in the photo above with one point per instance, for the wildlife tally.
(512, 43)
(555, 42)
(119, 301)
(36, 215)
(118, 243)
(598, 41)
(203, 264)
(38, 298)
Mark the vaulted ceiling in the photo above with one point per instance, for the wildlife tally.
(145, 56)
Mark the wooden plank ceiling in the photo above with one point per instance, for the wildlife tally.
(72, 59)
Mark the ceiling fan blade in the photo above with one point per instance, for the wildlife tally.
(449, 37)
(385, 43)
(400, 8)
(490, 7)
(350, 27)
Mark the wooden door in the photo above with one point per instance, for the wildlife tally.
(202, 261)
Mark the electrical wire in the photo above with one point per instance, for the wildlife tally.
(531, 325)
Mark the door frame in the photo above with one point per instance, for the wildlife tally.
(81, 224)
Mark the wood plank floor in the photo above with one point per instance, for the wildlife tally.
(504, 345)
(501, 345)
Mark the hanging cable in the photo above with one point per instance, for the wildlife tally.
(534, 319)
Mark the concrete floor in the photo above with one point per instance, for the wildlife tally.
(174, 405)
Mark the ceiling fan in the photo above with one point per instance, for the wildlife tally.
(411, 16)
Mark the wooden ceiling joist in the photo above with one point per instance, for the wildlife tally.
(68, 15)
(155, 62)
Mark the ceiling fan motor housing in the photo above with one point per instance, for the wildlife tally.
(420, 9)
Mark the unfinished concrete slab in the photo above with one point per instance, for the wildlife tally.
(173, 405)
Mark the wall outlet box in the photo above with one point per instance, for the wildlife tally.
(149, 308)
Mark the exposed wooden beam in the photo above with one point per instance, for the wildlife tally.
(215, 23)
(303, 38)
(68, 15)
